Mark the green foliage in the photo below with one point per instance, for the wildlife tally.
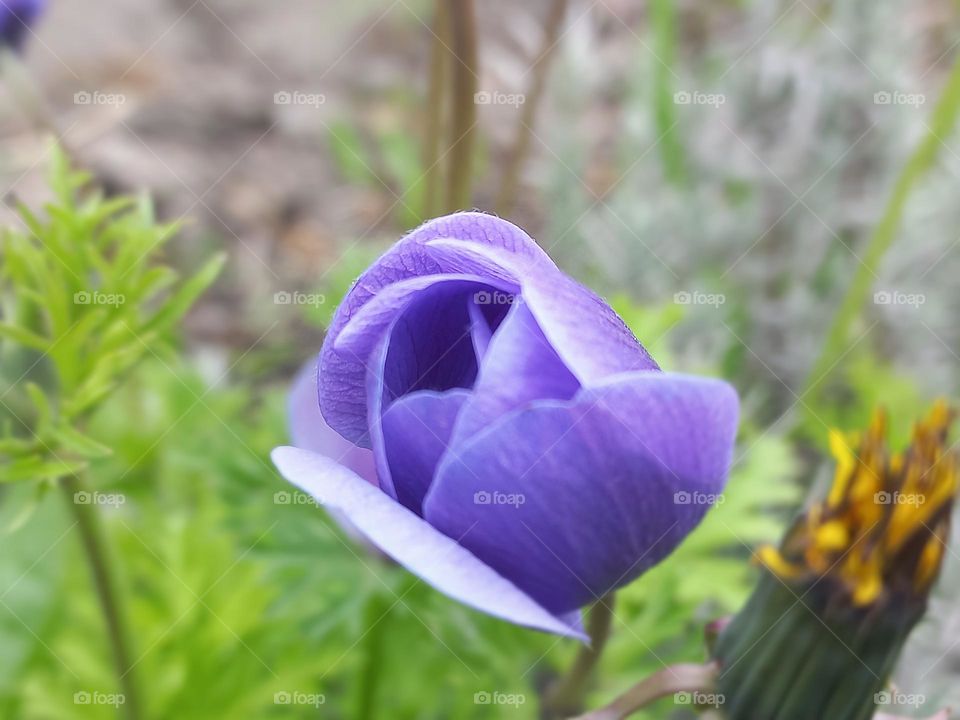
(865, 383)
(942, 122)
(337, 281)
(652, 324)
(235, 595)
(390, 160)
(82, 301)
(31, 564)
(663, 16)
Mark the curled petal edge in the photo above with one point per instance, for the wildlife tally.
(434, 557)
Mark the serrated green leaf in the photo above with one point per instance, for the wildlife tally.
(23, 337)
(34, 468)
(16, 446)
(183, 298)
(44, 411)
(76, 442)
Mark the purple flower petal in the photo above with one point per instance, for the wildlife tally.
(589, 499)
(428, 346)
(369, 325)
(341, 378)
(520, 367)
(416, 434)
(16, 17)
(309, 431)
(590, 337)
(408, 539)
(364, 331)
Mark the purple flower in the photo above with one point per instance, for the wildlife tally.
(16, 16)
(529, 454)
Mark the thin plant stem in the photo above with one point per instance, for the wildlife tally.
(95, 546)
(942, 122)
(30, 99)
(463, 34)
(670, 680)
(663, 22)
(506, 197)
(377, 620)
(565, 696)
(433, 130)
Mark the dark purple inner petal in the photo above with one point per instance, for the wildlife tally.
(430, 356)
(431, 344)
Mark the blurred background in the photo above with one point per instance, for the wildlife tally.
(765, 189)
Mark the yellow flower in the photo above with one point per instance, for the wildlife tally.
(883, 526)
(846, 586)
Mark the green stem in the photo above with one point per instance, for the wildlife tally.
(95, 546)
(663, 23)
(565, 696)
(463, 33)
(506, 197)
(30, 99)
(433, 130)
(670, 680)
(377, 617)
(942, 122)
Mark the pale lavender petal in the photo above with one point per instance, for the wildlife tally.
(341, 380)
(590, 337)
(599, 489)
(308, 429)
(437, 559)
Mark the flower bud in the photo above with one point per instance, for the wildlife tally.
(822, 631)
